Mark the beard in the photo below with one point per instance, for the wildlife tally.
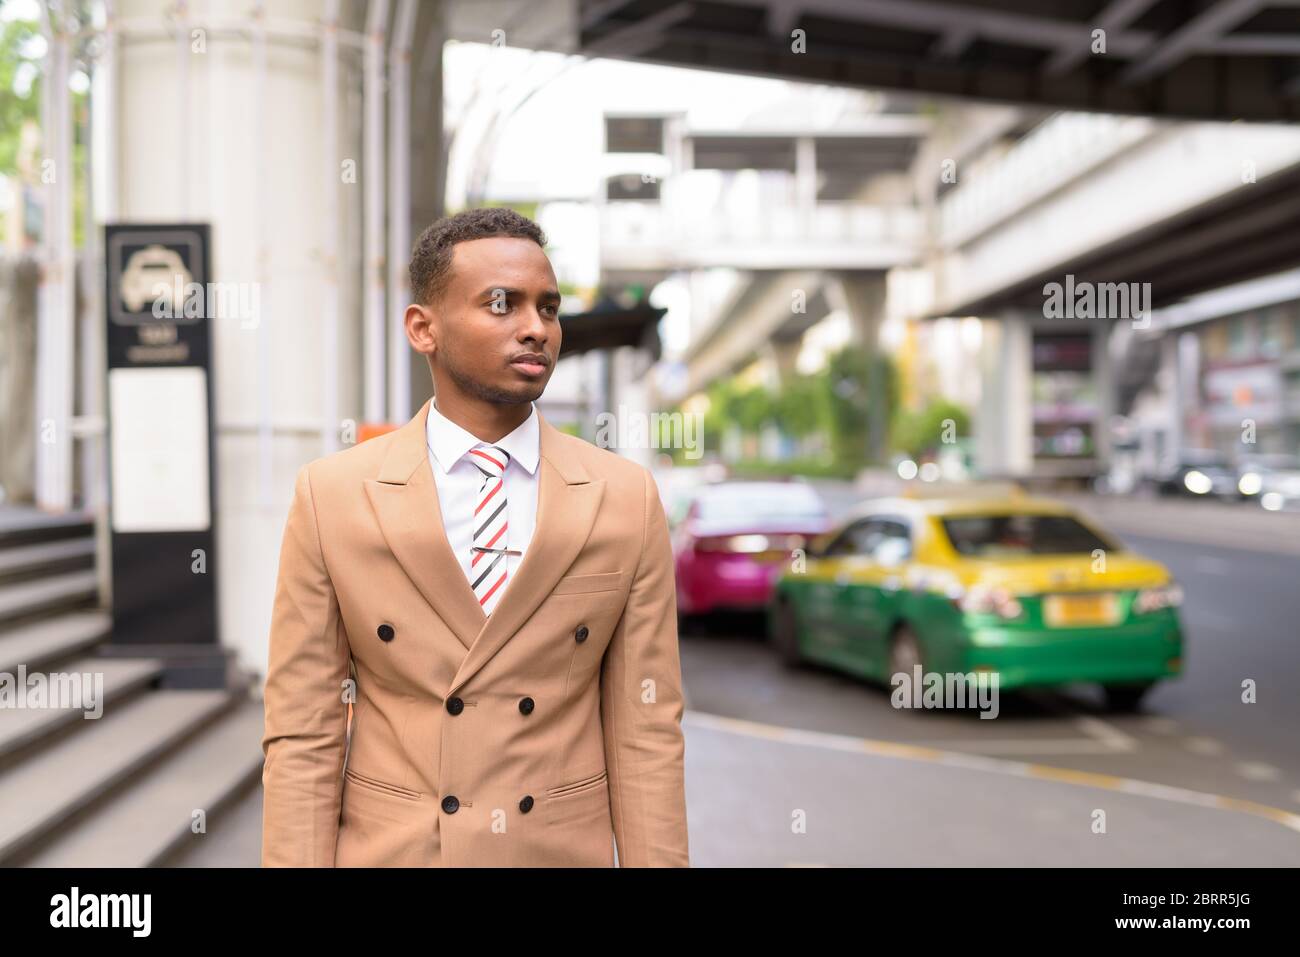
(527, 392)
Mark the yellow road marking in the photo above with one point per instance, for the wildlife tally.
(976, 762)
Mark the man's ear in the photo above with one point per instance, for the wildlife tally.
(421, 328)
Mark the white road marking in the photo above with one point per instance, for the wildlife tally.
(1101, 732)
(1105, 733)
(1025, 746)
(1206, 746)
(1160, 725)
(1258, 771)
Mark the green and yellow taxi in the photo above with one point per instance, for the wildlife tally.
(1025, 588)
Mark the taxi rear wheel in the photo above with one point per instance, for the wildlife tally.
(785, 633)
(905, 652)
(1125, 698)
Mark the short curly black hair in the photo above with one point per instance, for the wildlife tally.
(430, 266)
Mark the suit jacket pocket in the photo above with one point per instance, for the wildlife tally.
(382, 787)
(585, 801)
(598, 779)
(584, 584)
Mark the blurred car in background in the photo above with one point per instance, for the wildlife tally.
(737, 537)
(678, 485)
(1021, 587)
(1271, 480)
(1201, 473)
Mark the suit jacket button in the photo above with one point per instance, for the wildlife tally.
(526, 804)
(385, 632)
(581, 633)
(526, 705)
(450, 804)
(455, 705)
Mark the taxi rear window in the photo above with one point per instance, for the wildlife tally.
(994, 535)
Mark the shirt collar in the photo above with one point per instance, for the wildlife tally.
(450, 443)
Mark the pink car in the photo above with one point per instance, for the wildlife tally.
(736, 539)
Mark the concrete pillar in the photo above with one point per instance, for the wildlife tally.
(1103, 373)
(221, 181)
(783, 354)
(428, 156)
(1171, 372)
(1004, 427)
(862, 296)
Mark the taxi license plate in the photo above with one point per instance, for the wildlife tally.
(1073, 611)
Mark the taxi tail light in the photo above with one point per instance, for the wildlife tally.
(988, 600)
(1158, 598)
(732, 544)
(712, 543)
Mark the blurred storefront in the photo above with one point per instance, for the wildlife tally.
(1249, 381)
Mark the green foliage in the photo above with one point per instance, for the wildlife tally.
(16, 41)
(863, 389)
(809, 468)
(923, 430)
(837, 402)
(15, 36)
(752, 408)
(801, 407)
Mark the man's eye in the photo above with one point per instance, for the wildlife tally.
(499, 306)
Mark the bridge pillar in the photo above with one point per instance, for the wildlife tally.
(862, 296)
(1004, 427)
(783, 354)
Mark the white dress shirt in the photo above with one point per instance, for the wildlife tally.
(458, 482)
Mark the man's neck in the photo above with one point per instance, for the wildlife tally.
(487, 422)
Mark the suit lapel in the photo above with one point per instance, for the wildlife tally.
(405, 500)
(567, 500)
(404, 497)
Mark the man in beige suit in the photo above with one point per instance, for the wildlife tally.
(495, 597)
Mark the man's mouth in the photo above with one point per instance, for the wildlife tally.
(530, 365)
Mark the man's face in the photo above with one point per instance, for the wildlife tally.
(498, 325)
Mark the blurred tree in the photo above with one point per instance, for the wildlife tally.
(924, 429)
(751, 408)
(801, 407)
(863, 389)
(22, 55)
(19, 85)
(715, 419)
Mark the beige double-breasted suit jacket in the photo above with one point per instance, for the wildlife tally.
(540, 735)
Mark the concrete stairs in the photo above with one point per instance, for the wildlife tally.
(149, 781)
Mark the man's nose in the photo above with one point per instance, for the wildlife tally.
(532, 326)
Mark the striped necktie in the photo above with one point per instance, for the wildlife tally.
(488, 568)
